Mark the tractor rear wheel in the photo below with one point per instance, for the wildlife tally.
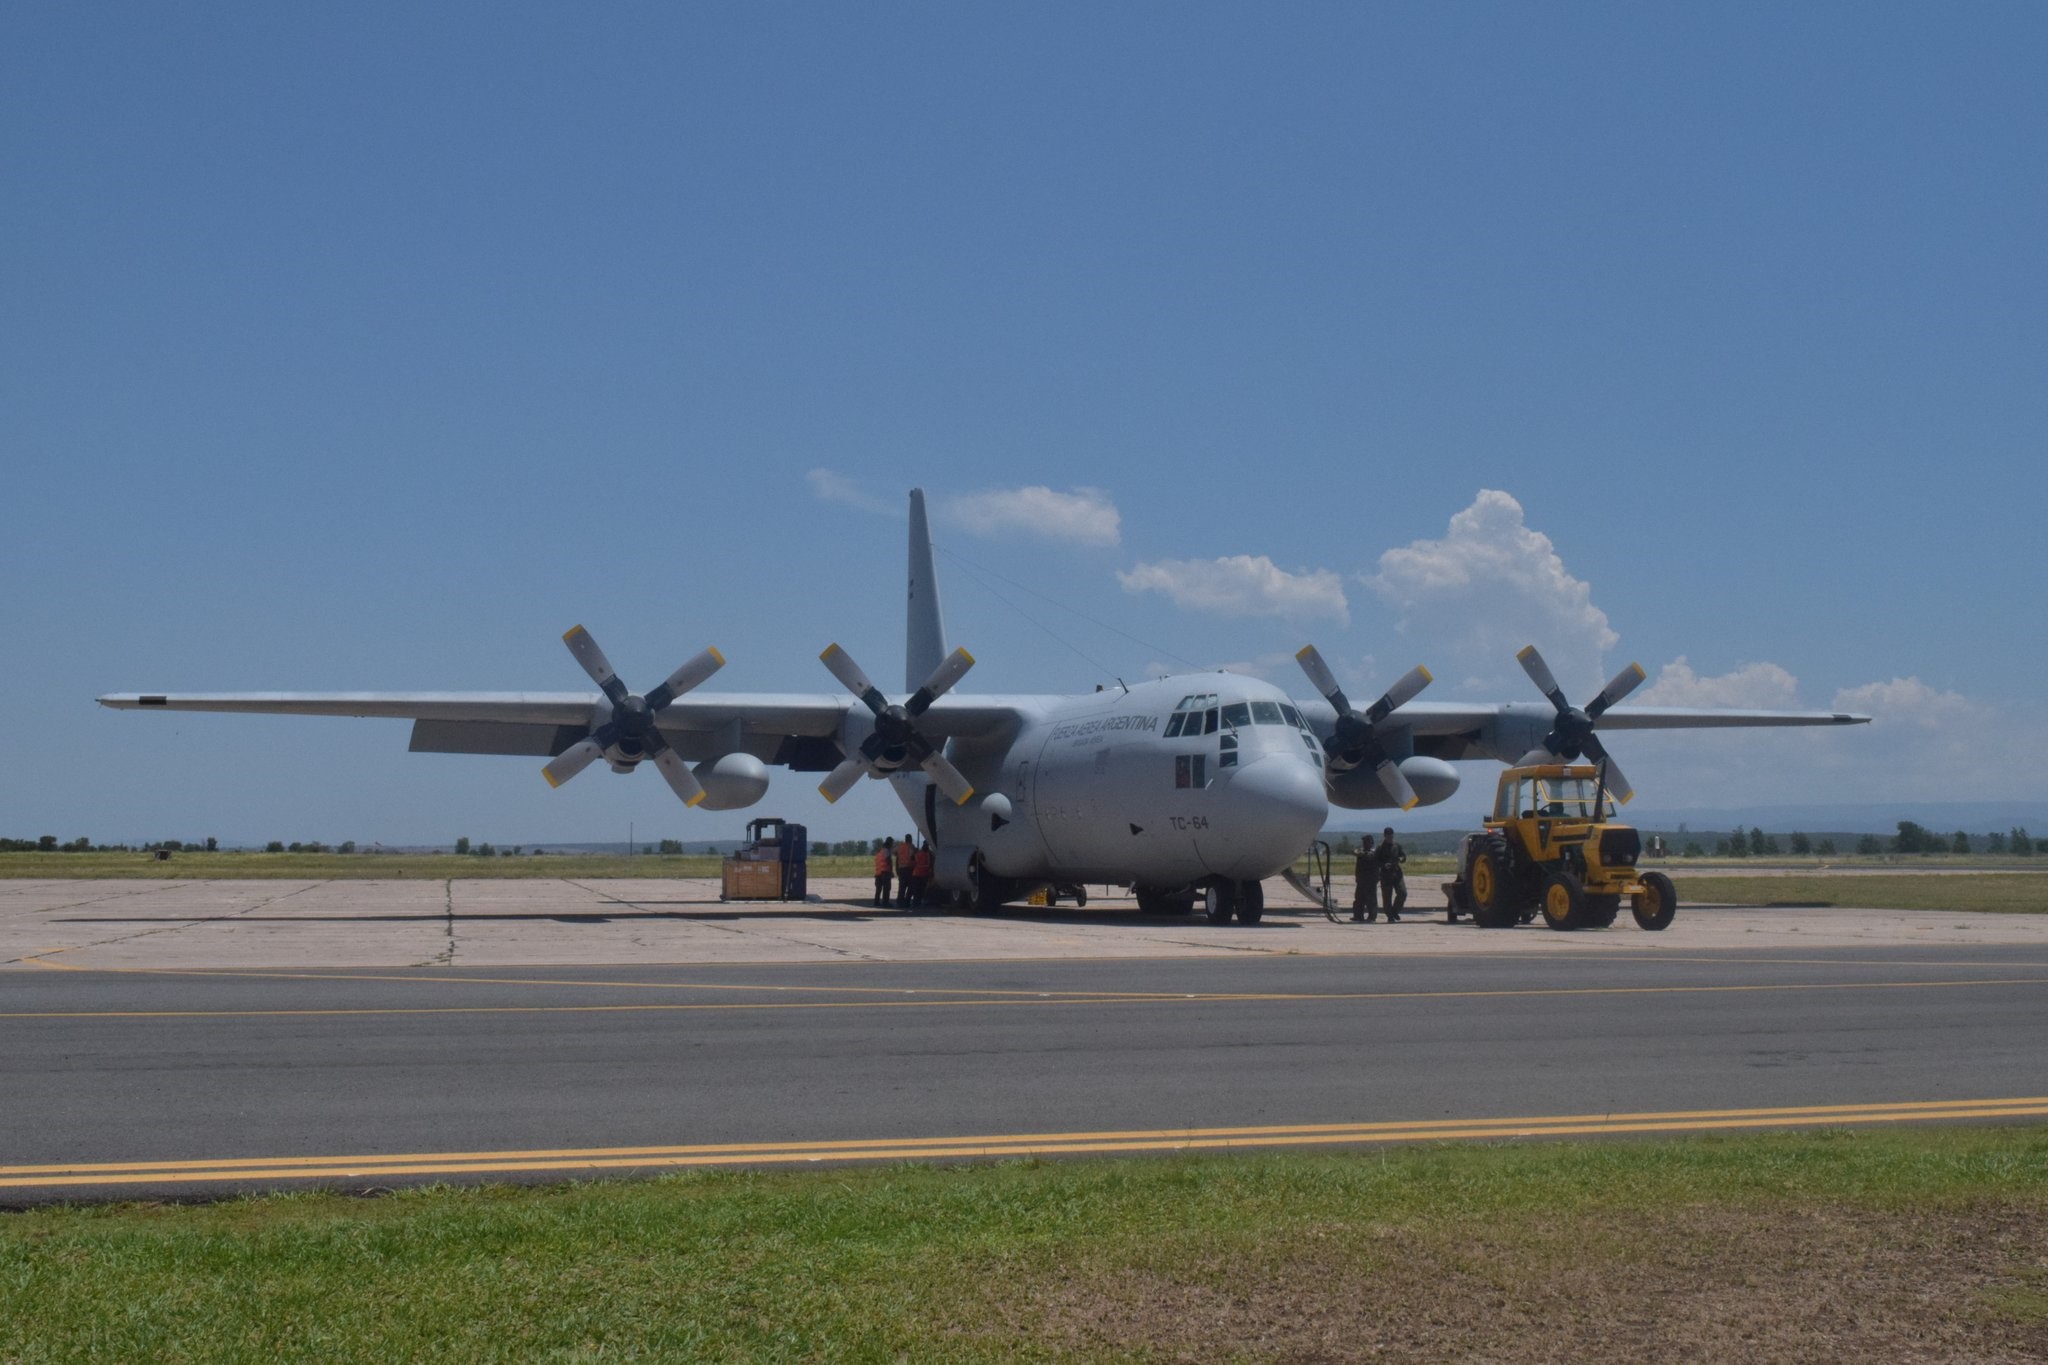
(1490, 887)
(1564, 901)
(1656, 903)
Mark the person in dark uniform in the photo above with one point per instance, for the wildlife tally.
(1393, 881)
(1365, 872)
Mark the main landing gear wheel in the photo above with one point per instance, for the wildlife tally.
(1492, 893)
(1564, 901)
(1219, 901)
(1656, 903)
(987, 896)
(1251, 902)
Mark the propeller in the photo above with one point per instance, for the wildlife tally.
(630, 734)
(1572, 734)
(896, 739)
(1355, 741)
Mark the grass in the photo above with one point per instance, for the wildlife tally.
(2012, 893)
(1829, 1243)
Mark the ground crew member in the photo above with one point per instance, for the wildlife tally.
(920, 873)
(1365, 873)
(906, 852)
(885, 857)
(1393, 881)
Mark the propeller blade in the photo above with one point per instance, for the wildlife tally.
(951, 669)
(1623, 683)
(1400, 694)
(853, 679)
(681, 780)
(840, 780)
(594, 663)
(1322, 679)
(1540, 674)
(947, 778)
(686, 678)
(1396, 783)
(571, 761)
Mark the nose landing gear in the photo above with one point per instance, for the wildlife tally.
(1223, 899)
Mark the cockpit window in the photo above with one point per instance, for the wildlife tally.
(1293, 716)
(1195, 715)
(1237, 714)
(1266, 713)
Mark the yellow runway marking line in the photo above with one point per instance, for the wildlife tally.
(940, 999)
(1022, 1144)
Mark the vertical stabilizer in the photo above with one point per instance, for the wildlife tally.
(924, 628)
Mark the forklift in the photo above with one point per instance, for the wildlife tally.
(771, 866)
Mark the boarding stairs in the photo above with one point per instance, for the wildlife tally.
(1315, 882)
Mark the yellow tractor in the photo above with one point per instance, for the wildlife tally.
(1547, 850)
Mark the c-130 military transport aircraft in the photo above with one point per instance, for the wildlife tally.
(1196, 785)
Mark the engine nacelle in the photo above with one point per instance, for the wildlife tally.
(733, 782)
(1360, 789)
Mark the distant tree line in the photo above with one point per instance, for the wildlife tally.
(47, 843)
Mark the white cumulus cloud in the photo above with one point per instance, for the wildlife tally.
(1083, 515)
(830, 487)
(1242, 585)
(1757, 687)
(1909, 701)
(1491, 585)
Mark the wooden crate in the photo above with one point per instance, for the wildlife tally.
(752, 881)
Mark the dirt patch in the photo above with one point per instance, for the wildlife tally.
(1690, 1284)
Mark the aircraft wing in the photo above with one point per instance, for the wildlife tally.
(1507, 730)
(801, 731)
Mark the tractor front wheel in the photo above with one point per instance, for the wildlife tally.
(1656, 903)
(1564, 901)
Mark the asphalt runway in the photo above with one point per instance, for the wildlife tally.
(174, 1081)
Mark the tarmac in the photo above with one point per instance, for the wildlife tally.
(127, 924)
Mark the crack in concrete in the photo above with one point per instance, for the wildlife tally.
(170, 927)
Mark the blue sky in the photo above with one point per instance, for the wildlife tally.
(371, 347)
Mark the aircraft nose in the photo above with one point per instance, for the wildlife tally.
(1279, 804)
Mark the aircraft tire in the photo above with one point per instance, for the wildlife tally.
(1601, 911)
(1219, 901)
(1655, 905)
(1151, 902)
(988, 889)
(1490, 888)
(1251, 902)
(1563, 902)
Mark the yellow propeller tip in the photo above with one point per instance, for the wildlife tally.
(550, 777)
(1427, 676)
(966, 798)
